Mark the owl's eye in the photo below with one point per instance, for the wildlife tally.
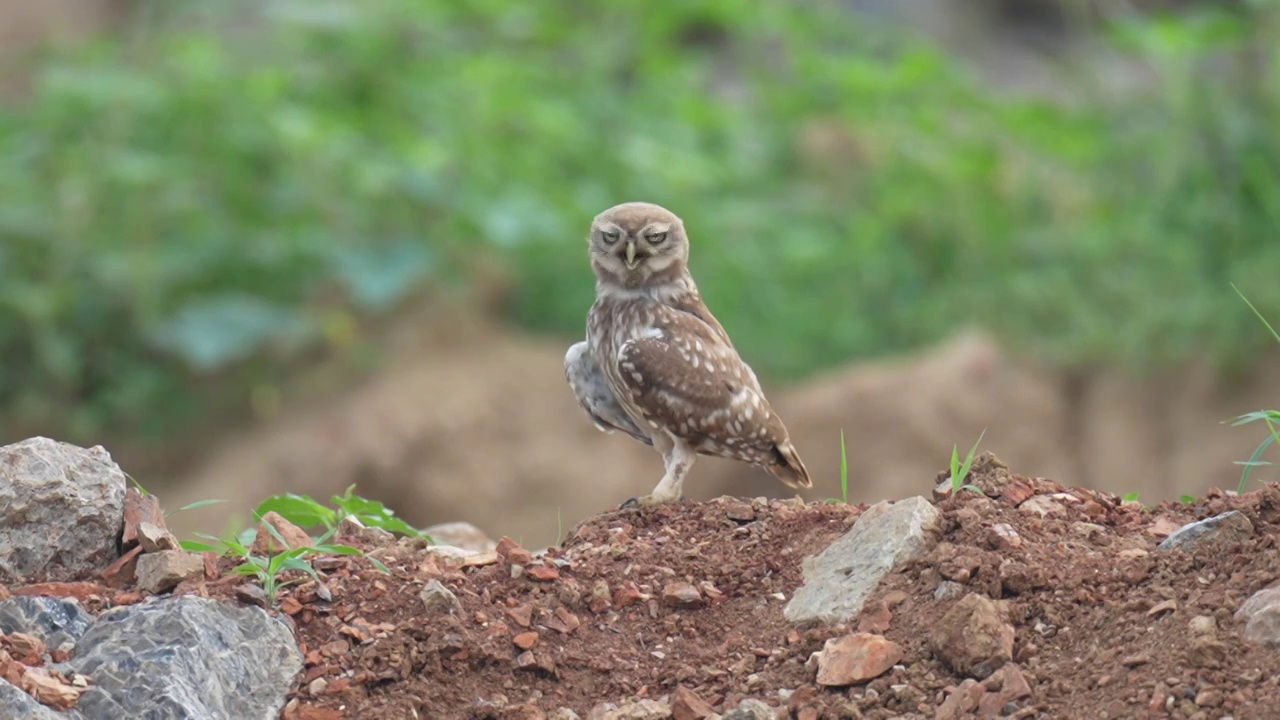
(656, 238)
(610, 236)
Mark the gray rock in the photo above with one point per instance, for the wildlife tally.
(14, 703)
(436, 598)
(61, 511)
(947, 590)
(58, 623)
(750, 710)
(186, 657)
(564, 714)
(161, 571)
(1261, 615)
(1230, 526)
(838, 581)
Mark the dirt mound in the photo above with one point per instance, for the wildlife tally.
(473, 421)
(684, 604)
(1032, 600)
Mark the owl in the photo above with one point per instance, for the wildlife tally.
(658, 366)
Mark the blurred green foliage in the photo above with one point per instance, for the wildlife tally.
(195, 195)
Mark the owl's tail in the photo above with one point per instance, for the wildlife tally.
(788, 467)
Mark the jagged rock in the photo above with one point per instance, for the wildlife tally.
(1231, 526)
(50, 489)
(186, 657)
(462, 535)
(971, 639)
(838, 580)
(265, 542)
(58, 623)
(14, 703)
(436, 598)
(687, 705)
(856, 658)
(161, 571)
(154, 538)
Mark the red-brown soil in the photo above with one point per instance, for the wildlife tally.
(1101, 618)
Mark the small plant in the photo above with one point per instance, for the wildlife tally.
(960, 471)
(1132, 496)
(1188, 499)
(1269, 417)
(306, 512)
(844, 474)
(269, 570)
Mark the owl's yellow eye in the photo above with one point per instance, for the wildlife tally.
(610, 236)
(656, 238)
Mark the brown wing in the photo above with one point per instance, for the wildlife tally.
(685, 377)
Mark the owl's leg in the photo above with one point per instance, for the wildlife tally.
(678, 457)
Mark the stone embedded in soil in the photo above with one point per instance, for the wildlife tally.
(186, 657)
(543, 573)
(636, 710)
(971, 639)
(838, 580)
(1228, 527)
(265, 542)
(740, 511)
(461, 535)
(51, 489)
(1261, 615)
(750, 709)
(162, 571)
(856, 658)
(681, 595)
(687, 705)
(522, 614)
(436, 598)
(962, 701)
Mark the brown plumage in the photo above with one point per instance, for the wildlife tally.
(657, 364)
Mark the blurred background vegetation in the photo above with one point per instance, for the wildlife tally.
(192, 202)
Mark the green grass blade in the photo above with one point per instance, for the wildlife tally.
(1272, 330)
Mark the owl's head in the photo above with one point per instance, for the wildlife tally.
(637, 245)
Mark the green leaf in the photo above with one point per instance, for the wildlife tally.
(300, 510)
(199, 504)
(199, 547)
(210, 332)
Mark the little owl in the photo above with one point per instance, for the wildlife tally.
(658, 366)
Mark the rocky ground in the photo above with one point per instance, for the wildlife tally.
(1017, 598)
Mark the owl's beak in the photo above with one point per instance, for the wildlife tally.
(631, 255)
